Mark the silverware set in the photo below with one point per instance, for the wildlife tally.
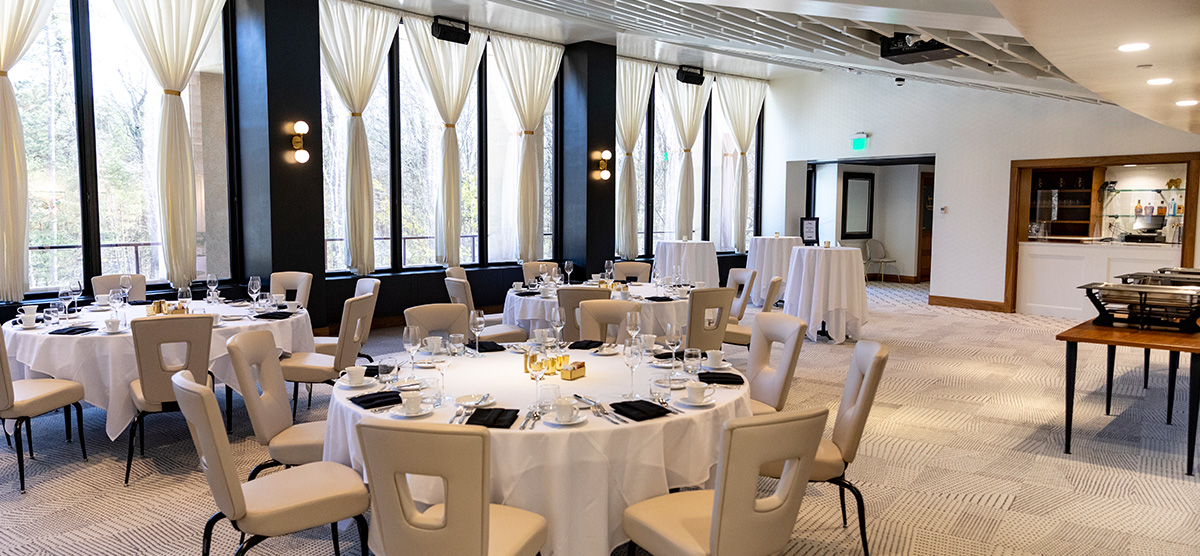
(600, 410)
(531, 419)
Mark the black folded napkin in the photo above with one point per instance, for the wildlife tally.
(667, 355)
(659, 298)
(721, 378)
(141, 302)
(586, 344)
(639, 410)
(486, 347)
(680, 286)
(274, 315)
(376, 399)
(525, 294)
(372, 370)
(72, 331)
(494, 417)
(630, 279)
(245, 299)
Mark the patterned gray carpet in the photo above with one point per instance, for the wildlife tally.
(962, 455)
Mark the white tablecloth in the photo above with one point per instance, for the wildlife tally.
(697, 260)
(579, 478)
(105, 364)
(769, 256)
(827, 285)
(533, 312)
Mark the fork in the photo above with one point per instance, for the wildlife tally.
(667, 405)
(457, 414)
(466, 415)
(537, 416)
(617, 416)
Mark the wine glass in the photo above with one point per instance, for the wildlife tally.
(569, 267)
(543, 273)
(412, 342)
(476, 323)
(253, 288)
(537, 369)
(608, 269)
(64, 295)
(184, 295)
(660, 281)
(212, 287)
(673, 339)
(76, 291)
(633, 323)
(558, 321)
(633, 358)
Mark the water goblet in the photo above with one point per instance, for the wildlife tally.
(633, 358)
(569, 267)
(457, 342)
(633, 323)
(126, 283)
(412, 343)
(477, 324)
(673, 339)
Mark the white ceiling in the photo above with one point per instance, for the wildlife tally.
(773, 38)
(1082, 37)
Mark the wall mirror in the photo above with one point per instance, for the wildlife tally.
(858, 204)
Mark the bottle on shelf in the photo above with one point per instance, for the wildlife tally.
(1171, 209)
(1137, 209)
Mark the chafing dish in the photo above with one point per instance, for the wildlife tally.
(1146, 305)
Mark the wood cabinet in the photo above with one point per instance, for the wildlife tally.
(1065, 202)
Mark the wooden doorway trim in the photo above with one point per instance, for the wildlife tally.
(922, 274)
(1018, 203)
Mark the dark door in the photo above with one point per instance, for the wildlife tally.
(925, 233)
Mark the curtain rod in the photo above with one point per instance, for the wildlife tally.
(484, 30)
(712, 73)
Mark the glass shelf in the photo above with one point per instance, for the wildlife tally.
(1141, 215)
(1180, 189)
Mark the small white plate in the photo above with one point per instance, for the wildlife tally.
(428, 363)
(240, 304)
(675, 383)
(218, 324)
(579, 419)
(707, 402)
(518, 348)
(367, 381)
(121, 331)
(664, 364)
(232, 317)
(610, 352)
(723, 365)
(472, 400)
(398, 411)
(94, 307)
(34, 327)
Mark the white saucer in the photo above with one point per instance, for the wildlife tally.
(675, 383)
(218, 324)
(707, 402)
(121, 331)
(609, 353)
(240, 304)
(398, 411)
(367, 381)
(472, 400)
(580, 418)
(94, 307)
(546, 296)
(427, 363)
(232, 317)
(664, 364)
(723, 365)
(34, 327)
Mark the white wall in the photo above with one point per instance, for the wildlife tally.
(975, 136)
(829, 185)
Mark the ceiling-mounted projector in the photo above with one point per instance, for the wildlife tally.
(690, 75)
(904, 48)
(451, 30)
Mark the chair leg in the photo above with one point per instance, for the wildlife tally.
(250, 543)
(308, 385)
(20, 453)
(631, 549)
(132, 435)
(228, 409)
(1146, 372)
(337, 549)
(862, 518)
(79, 421)
(29, 435)
(361, 522)
(842, 497)
(142, 436)
(7, 438)
(262, 467)
(365, 356)
(208, 531)
(67, 420)
(295, 398)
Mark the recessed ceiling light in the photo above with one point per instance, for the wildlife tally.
(1133, 47)
(1130, 165)
(1187, 103)
(1160, 81)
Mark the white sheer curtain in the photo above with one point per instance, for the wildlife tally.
(355, 39)
(724, 192)
(447, 69)
(687, 103)
(742, 100)
(20, 22)
(172, 35)
(528, 68)
(634, 80)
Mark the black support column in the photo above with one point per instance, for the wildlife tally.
(278, 82)
(588, 121)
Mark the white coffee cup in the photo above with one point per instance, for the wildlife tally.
(293, 306)
(518, 286)
(278, 298)
(353, 375)
(698, 391)
(411, 401)
(715, 357)
(216, 319)
(541, 335)
(623, 295)
(647, 341)
(565, 410)
(112, 325)
(29, 320)
(432, 344)
(102, 299)
(544, 290)
(28, 310)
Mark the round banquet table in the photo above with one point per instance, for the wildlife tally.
(827, 285)
(697, 261)
(105, 363)
(769, 256)
(532, 312)
(580, 478)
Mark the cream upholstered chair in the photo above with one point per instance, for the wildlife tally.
(21, 400)
(456, 272)
(741, 280)
(460, 292)
(640, 272)
(569, 298)
(532, 269)
(730, 520)
(277, 504)
(152, 392)
(364, 286)
(253, 354)
(317, 368)
(835, 454)
(739, 334)
(438, 319)
(708, 315)
(466, 525)
(110, 282)
(598, 315)
(769, 385)
(299, 282)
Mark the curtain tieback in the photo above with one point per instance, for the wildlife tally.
(687, 150)
(359, 115)
(743, 153)
(3, 73)
(171, 92)
(527, 132)
(628, 154)
(449, 125)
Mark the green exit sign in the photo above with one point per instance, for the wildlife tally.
(858, 142)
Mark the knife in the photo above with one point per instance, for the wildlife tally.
(586, 400)
(528, 416)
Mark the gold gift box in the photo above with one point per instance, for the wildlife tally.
(574, 371)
